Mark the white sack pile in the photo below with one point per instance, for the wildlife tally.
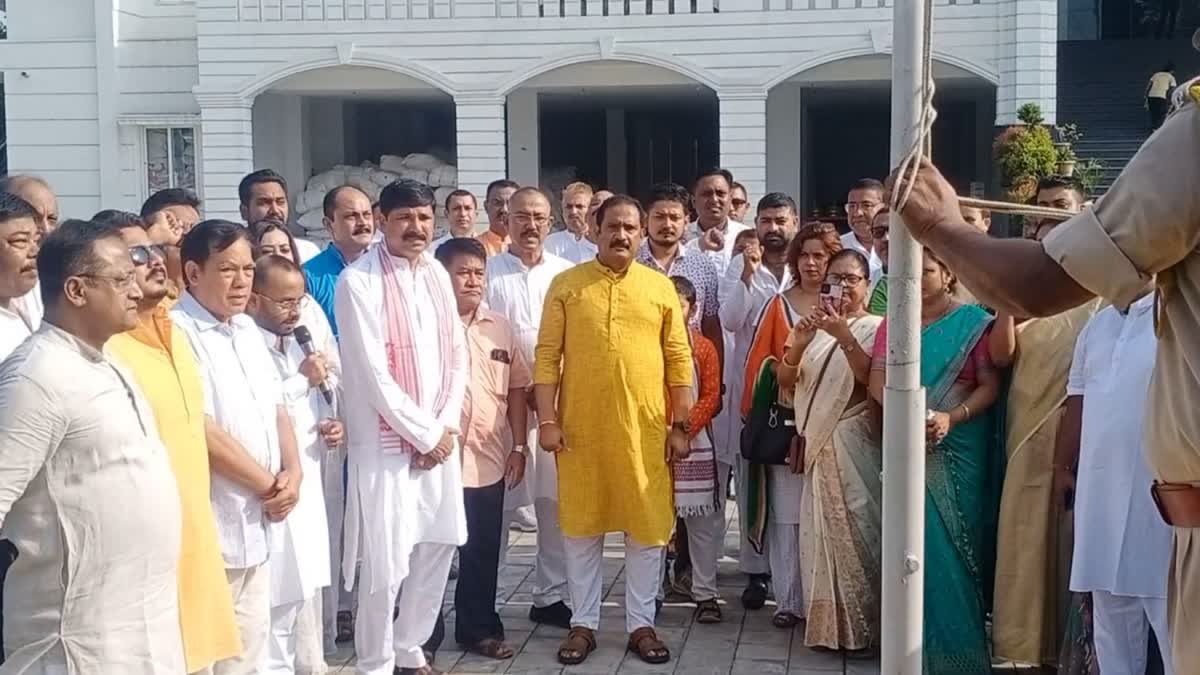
(371, 178)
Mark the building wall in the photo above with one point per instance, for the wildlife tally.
(201, 60)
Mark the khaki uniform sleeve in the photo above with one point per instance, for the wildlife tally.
(1147, 222)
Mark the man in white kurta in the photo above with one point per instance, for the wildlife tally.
(575, 243)
(87, 494)
(405, 497)
(752, 279)
(300, 564)
(1122, 547)
(517, 282)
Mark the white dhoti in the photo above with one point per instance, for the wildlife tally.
(1122, 626)
(295, 645)
(783, 539)
(586, 579)
(251, 589)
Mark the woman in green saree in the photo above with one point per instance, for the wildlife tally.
(961, 387)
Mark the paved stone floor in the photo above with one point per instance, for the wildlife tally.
(744, 644)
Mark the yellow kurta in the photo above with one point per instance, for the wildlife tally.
(165, 369)
(620, 340)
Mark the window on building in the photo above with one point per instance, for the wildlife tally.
(170, 158)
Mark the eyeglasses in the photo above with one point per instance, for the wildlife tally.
(852, 207)
(141, 255)
(844, 279)
(525, 218)
(738, 203)
(119, 283)
(291, 305)
(879, 232)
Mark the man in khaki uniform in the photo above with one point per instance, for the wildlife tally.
(1147, 225)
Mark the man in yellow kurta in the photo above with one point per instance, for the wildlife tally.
(164, 367)
(612, 339)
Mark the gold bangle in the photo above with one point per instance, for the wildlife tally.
(543, 423)
(966, 411)
(784, 361)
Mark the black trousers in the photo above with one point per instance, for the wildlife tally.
(8, 555)
(1158, 111)
(475, 613)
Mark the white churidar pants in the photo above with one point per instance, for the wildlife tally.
(585, 579)
(1122, 627)
(550, 565)
(251, 589)
(383, 644)
(296, 639)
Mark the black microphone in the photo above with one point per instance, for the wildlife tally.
(304, 339)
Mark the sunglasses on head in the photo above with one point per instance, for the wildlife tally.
(141, 255)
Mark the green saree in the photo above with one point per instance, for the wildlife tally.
(957, 474)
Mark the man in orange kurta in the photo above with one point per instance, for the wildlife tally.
(612, 334)
(164, 367)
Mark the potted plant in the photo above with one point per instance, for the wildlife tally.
(1068, 136)
(1088, 173)
(1025, 152)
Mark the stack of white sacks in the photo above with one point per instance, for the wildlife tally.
(371, 178)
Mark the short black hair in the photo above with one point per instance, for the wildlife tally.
(330, 201)
(69, 251)
(714, 171)
(668, 192)
(684, 288)
(257, 178)
(264, 266)
(118, 219)
(776, 200)
(738, 186)
(616, 201)
(747, 233)
(169, 197)
(867, 184)
(209, 237)
(461, 193)
(861, 260)
(1055, 182)
(264, 227)
(405, 193)
(460, 246)
(501, 183)
(13, 207)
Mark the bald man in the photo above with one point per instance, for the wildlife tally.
(39, 194)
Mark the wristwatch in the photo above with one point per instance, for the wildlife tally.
(522, 448)
(685, 427)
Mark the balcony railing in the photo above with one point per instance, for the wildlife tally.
(364, 10)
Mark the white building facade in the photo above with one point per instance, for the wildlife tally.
(110, 100)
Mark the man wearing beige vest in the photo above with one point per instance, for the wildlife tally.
(1147, 225)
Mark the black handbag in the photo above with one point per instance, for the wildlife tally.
(769, 433)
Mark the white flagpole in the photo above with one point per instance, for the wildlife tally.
(904, 398)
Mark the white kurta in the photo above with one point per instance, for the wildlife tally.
(391, 507)
(571, 248)
(242, 394)
(740, 307)
(850, 241)
(300, 555)
(15, 326)
(1122, 545)
(720, 258)
(88, 497)
(519, 294)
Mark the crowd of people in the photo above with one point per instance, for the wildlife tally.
(218, 443)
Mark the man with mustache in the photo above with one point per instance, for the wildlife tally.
(405, 369)
(38, 194)
(753, 278)
(351, 225)
(264, 196)
(739, 202)
(158, 356)
(256, 471)
(714, 231)
(88, 496)
(574, 243)
(495, 202)
(862, 203)
(517, 283)
(18, 270)
(461, 208)
(300, 567)
(613, 331)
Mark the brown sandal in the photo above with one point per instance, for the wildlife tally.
(580, 643)
(708, 611)
(785, 620)
(645, 643)
(492, 649)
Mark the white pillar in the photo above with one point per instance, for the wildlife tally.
(1029, 61)
(524, 155)
(481, 142)
(227, 151)
(784, 142)
(107, 93)
(618, 149)
(743, 128)
(280, 138)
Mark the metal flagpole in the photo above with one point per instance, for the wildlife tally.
(904, 398)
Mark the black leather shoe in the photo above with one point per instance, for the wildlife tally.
(755, 595)
(557, 614)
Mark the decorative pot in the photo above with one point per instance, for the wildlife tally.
(1066, 168)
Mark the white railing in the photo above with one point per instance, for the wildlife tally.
(365, 10)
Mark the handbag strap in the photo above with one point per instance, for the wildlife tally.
(820, 378)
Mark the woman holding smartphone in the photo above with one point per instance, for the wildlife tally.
(828, 364)
(774, 518)
(961, 386)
